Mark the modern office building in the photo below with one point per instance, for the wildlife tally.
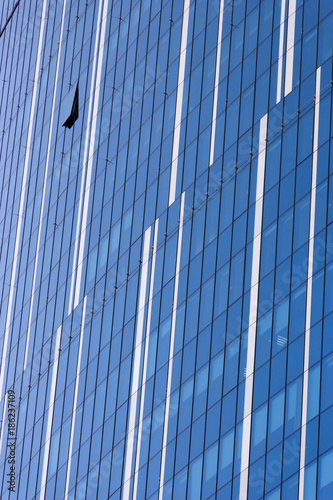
(166, 259)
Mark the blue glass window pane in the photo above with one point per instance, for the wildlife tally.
(180, 484)
(291, 452)
(284, 236)
(228, 411)
(301, 224)
(297, 312)
(261, 381)
(280, 326)
(256, 479)
(325, 38)
(303, 178)
(309, 46)
(259, 431)
(197, 437)
(231, 366)
(236, 277)
(287, 190)
(183, 440)
(290, 488)
(305, 136)
(289, 150)
(327, 338)
(325, 480)
(293, 406)
(276, 418)
(221, 290)
(268, 249)
(273, 467)
(246, 110)
(236, 45)
(251, 32)
(295, 359)
(261, 100)
(195, 478)
(310, 481)
(263, 343)
(328, 289)
(231, 124)
(210, 471)
(226, 458)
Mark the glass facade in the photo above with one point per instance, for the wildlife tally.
(166, 258)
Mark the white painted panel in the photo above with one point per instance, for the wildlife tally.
(179, 103)
(290, 47)
(50, 413)
(309, 286)
(76, 390)
(22, 197)
(252, 331)
(216, 85)
(172, 344)
(44, 186)
(136, 367)
(85, 180)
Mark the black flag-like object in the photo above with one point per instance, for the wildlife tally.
(74, 112)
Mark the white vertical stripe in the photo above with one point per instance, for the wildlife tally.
(290, 47)
(172, 345)
(309, 286)
(90, 139)
(90, 156)
(216, 87)
(3, 420)
(145, 362)
(44, 187)
(50, 413)
(22, 198)
(76, 390)
(179, 103)
(253, 311)
(136, 366)
(281, 44)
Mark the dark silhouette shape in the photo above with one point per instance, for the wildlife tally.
(74, 112)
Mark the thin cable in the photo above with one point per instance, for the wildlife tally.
(11, 15)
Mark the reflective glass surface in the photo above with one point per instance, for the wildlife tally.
(166, 257)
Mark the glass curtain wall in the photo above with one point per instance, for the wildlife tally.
(166, 262)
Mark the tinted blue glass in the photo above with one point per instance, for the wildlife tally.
(166, 255)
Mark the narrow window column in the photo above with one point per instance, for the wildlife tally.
(252, 331)
(44, 186)
(172, 344)
(130, 441)
(81, 224)
(145, 362)
(288, 81)
(179, 103)
(22, 198)
(50, 412)
(91, 153)
(76, 390)
(281, 46)
(309, 287)
(3, 420)
(216, 84)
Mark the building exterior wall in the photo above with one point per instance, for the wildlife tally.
(166, 264)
